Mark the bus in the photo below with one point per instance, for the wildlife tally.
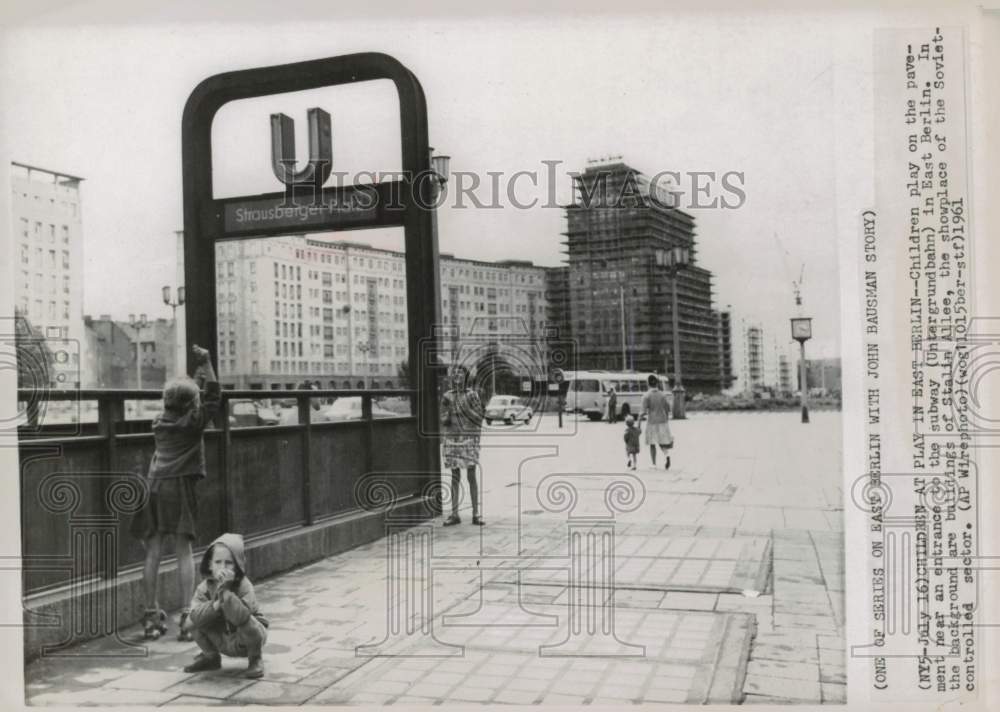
(587, 392)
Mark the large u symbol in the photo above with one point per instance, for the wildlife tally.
(320, 149)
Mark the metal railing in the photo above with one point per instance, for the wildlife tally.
(261, 479)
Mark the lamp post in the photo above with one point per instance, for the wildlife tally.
(802, 332)
(365, 347)
(173, 304)
(439, 167)
(676, 259)
(138, 326)
(621, 306)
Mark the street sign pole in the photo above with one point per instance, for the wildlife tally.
(559, 383)
(802, 332)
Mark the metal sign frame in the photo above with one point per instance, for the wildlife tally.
(400, 204)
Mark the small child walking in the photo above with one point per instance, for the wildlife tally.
(172, 508)
(225, 618)
(632, 433)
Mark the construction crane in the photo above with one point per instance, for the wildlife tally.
(797, 286)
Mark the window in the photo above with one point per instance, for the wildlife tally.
(65, 259)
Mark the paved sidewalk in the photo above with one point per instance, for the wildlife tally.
(728, 576)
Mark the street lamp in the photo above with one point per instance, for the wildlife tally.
(676, 259)
(366, 347)
(439, 164)
(439, 167)
(138, 326)
(173, 304)
(802, 332)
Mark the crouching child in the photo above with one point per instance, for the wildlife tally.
(225, 618)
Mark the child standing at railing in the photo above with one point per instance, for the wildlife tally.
(178, 463)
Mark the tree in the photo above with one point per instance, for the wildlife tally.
(35, 361)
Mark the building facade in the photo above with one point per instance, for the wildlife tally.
(824, 374)
(111, 352)
(109, 356)
(614, 298)
(294, 308)
(785, 374)
(48, 283)
(726, 374)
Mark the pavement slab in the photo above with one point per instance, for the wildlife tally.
(751, 518)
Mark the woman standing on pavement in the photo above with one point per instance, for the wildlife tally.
(656, 407)
(461, 423)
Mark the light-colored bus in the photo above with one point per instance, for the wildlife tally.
(588, 392)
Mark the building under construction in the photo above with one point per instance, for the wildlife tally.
(613, 299)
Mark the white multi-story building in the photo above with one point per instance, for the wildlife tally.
(294, 309)
(48, 269)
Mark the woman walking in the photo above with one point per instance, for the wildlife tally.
(462, 421)
(657, 409)
(612, 405)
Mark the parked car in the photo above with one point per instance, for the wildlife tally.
(349, 408)
(248, 413)
(508, 409)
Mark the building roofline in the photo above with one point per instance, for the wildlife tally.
(344, 244)
(58, 174)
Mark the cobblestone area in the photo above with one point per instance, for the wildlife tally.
(729, 587)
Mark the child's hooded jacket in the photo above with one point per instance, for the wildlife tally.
(202, 613)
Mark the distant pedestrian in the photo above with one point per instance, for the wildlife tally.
(177, 465)
(612, 405)
(225, 617)
(656, 407)
(632, 432)
(461, 423)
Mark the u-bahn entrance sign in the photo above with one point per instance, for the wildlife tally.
(306, 205)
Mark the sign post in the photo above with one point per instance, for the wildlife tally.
(304, 204)
(561, 384)
(802, 332)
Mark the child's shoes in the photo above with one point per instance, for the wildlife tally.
(183, 634)
(204, 662)
(255, 668)
(154, 624)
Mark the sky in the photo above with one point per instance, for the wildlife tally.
(753, 93)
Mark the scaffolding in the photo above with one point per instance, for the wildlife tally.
(613, 292)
